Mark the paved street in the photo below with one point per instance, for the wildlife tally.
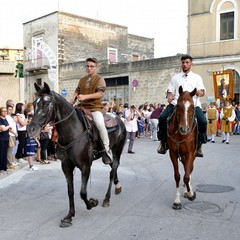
(33, 203)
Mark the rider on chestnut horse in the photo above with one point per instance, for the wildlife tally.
(188, 80)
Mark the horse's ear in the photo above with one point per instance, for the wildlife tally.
(180, 90)
(37, 88)
(47, 89)
(193, 92)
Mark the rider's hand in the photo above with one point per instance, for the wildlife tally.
(81, 97)
(170, 97)
(72, 101)
(200, 92)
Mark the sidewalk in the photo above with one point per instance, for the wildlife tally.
(12, 171)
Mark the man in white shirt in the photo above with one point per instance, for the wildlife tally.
(188, 80)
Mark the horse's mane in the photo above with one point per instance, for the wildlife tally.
(60, 98)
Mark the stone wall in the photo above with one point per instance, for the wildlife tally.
(10, 87)
(153, 77)
(85, 37)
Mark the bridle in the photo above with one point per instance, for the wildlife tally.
(191, 131)
(50, 112)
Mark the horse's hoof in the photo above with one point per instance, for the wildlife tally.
(106, 203)
(65, 223)
(118, 190)
(192, 197)
(93, 202)
(177, 206)
(185, 195)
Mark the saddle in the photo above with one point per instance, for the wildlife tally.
(96, 147)
(109, 119)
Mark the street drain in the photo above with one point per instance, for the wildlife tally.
(212, 188)
(202, 207)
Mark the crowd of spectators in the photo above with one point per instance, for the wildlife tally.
(16, 147)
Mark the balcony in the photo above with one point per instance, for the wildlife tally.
(36, 68)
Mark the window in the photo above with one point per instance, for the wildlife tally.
(112, 55)
(36, 44)
(39, 81)
(227, 26)
(135, 57)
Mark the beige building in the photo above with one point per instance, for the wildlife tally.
(11, 78)
(214, 41)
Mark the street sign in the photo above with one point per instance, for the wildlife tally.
(135, 83)
(64, 92)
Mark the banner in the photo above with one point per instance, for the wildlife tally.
(223, 84)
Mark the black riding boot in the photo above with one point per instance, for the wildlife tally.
(199, 152)
(162, 149)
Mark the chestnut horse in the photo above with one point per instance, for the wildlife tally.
(181, 139)
(77, 145)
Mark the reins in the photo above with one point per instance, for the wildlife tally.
(180, 142)
(64, 148)
(66, 118)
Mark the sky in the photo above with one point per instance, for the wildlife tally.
(163, 20)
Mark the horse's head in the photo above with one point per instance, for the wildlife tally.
(43, 110)
(185, 111)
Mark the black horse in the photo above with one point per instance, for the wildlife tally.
(76, 144)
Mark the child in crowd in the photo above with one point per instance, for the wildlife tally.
(31, 147)
(140, 126)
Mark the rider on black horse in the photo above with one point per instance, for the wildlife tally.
(90, 91)
(188, 80)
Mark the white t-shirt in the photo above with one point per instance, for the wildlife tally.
(11, 123)
(19, 127)
(188, 83)
(131, 126)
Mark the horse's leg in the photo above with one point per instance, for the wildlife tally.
(189, 193)
(83, 193)
(112, 177)
(118, 187)
(68, 172)
(177, 203)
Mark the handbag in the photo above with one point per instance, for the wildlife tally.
(12, 141)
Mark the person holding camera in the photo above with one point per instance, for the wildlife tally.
(131, 115)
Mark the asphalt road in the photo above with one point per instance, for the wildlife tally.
(33, 203)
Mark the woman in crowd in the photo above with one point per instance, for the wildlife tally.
(131, 116)
(4, 140)
(12, 138)
(44, 140)
(21, 130)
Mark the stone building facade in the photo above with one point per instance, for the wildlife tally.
(10, 80)
(62, 40)
(214, 40)
(151, 75)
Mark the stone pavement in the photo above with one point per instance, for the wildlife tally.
(33, 203)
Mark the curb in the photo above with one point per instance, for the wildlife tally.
(19, 167)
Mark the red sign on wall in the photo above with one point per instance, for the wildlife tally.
(135, 83)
